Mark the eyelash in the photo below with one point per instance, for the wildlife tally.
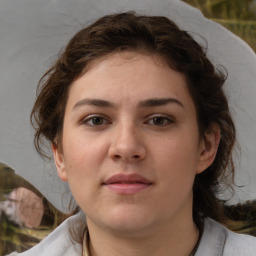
(165, 120)
(90, 118)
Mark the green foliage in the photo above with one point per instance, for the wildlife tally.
(20, 238)
(228, 9)
(239, 16)
(14, 238)
(242, 217)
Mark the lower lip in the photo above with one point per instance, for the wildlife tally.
(127, 188)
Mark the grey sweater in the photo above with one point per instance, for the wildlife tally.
(216, 241)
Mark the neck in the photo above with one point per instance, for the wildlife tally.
(166, 240)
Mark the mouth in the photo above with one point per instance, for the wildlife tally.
(127, 184)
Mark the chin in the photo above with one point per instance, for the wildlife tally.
(128, 221)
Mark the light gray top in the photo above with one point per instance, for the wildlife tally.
(219, 241)
(216, 241)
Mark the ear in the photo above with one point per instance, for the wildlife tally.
(208, 147)
(59, 162)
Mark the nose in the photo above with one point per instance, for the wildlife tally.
(127, 145)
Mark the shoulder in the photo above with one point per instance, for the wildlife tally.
(58, 243)
(218, 239)
(240, 244)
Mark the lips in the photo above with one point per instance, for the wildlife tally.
(127, 183)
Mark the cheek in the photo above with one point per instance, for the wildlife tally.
(177, 149)
(177, 159)
(83, 158)
(81, 165)
(79, 148)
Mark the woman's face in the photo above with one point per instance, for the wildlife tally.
(131, 147)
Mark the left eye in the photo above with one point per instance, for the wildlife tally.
(160, 121)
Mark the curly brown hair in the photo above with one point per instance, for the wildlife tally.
(146, 35)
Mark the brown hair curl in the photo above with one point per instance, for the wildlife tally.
(149, 35)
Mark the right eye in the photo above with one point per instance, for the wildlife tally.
(94, 121)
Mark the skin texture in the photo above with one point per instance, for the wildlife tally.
(130, 135)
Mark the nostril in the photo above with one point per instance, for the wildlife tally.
(117, 157)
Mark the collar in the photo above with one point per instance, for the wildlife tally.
(87, 238)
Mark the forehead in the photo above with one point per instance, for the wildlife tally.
(129, 76)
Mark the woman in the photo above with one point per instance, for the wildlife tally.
(140, 129)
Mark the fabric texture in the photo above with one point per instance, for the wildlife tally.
(58, 243)
(219, 241)
(216, 241)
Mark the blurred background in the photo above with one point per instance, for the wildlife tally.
(239, 16)
(26, 216)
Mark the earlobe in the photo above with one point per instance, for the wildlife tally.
(208, 148)
(59, 162)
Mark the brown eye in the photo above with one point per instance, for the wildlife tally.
(94, 121)
(97, 120)
(160, 121)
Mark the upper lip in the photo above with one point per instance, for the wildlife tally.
(127, 178)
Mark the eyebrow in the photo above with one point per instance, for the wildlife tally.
(159, 102)
(93, 102)
(154, 102)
